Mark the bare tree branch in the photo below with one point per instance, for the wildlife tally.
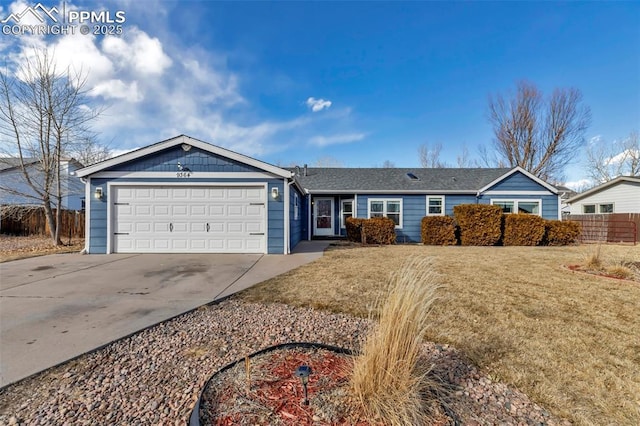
(44, 112)
(430, 156)
(540, 135)
(606, 161)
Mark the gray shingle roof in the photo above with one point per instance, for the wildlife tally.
(440, 180)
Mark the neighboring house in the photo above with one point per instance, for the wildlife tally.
(185, 195)
(620, 195)
(14, 189)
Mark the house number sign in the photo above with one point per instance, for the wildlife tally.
(183, 174)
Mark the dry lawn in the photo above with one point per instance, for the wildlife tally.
(14, 248)
(570, 340)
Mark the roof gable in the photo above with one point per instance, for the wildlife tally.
(512, 173)
(166, 150)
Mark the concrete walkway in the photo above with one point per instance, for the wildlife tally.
(54, 308)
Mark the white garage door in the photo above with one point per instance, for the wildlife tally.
(187, 219)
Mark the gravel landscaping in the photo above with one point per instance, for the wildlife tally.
(155, 376)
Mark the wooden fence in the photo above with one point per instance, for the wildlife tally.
(17, 220)
(608, 228)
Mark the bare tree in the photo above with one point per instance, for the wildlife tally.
(607, 161)
(540, 135)
(42, 112)
(463, 160)
(388, 164)
(328, 161)
(430, 156)
(88, 151)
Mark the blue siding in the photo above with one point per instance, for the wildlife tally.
(98, 218)
(275, 222)
(195, 159)
(517, 182)
(296, 226)
(455, 200)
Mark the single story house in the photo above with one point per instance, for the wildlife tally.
(620, 195)
(185, 195)
(14, 189)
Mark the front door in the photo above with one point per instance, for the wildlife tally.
(323, 217)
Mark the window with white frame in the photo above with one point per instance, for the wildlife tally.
(346, 211)
(296, 206)
(605, 208)
(391, 208)
(435, 206)
(519, 206)
(588, 208)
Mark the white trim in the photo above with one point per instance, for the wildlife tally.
(343, 224)
(442, 197)
(525, 193)
(109, 202)
(286, 224)
(355, 205)
(516, 201)
(333, 216)
(179, 140)
(112, 185)
(597, 207)
(309, 224)
(384, 208)
(193, 175)
(516, 169)
(87, 215)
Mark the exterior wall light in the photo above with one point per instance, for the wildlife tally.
(98, 194)
(274, 193)
(303, 373)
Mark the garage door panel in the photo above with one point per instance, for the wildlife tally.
(198, 210)
(189, 219)
(143, 194)
(235, 210)
(179, 210)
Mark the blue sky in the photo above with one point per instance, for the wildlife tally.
(384, 77)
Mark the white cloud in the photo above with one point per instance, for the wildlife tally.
(118, 89)
(317, 104)
(322, 141)
(579, 185)
(156, 88)
(136, 50)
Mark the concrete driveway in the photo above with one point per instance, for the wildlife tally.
(54, 308)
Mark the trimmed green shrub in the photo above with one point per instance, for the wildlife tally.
(561, 232)
(438, 231)
(523, 230)
(480, 224)
(377, 230)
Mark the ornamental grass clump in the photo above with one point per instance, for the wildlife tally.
(389, 384)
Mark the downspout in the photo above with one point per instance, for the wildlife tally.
(308, 216)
